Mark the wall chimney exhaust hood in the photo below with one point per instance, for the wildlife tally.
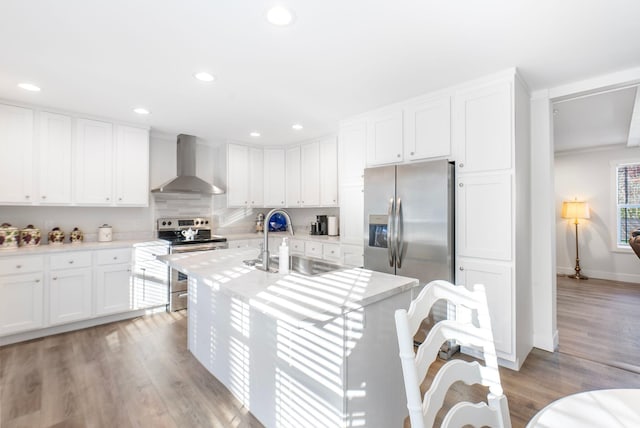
(186, 181)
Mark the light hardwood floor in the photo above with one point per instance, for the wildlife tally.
(138, 373)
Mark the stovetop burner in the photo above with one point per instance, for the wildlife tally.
(174, 230)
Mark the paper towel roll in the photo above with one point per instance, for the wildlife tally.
(332, 228)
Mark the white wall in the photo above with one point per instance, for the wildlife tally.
(587, 176)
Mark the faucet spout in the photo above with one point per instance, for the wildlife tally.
(267, 219)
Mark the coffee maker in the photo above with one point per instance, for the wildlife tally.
(323, 225)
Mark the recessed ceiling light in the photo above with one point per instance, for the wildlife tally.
(141, 110)
(255, 134)
(297, 127)
(29, 87)
(279, 16)
(203, 76)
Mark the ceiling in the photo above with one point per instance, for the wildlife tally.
(594, 121)
(339, 58)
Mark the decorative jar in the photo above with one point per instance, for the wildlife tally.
(30, 236)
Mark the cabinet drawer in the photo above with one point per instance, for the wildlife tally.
(296, 247)
(331, 252)
(313, 249)
(71, 260)
(112, 257)
(13, 265)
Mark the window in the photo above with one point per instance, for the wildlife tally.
(627, 201)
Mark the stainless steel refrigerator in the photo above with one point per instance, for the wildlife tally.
(409, 220)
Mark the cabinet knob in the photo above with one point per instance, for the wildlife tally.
(411, 153)
(18, 266)
(128, 270)
(26, 196)
(115, 257)
(119, 199)
(37, 280)
(398, 155)
(461, 268)
(44, 197)
(143, 269)
(55, 278)
(282, 202)
(461, 165)
(107, 199)
(303, 202)
(70, 262)
(460, 184)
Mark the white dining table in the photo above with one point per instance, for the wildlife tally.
(605, 408)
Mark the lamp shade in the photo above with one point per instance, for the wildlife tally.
(575, 209)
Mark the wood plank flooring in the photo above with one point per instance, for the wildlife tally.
(600, 320)
(138, 373)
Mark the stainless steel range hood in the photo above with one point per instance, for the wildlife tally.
(186, 181)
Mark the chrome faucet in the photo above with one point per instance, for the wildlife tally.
(265, 246)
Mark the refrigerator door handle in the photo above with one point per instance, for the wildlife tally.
(399, 241)
(390, 232)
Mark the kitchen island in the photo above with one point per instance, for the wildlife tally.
(299, 351)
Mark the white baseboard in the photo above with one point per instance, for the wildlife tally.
(612, 276)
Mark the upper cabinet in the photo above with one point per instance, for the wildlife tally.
(54, 159)
(16, 143)
(328, 172)
(132, 166)
(310, 174)
(427, 128)
(292, 175)
(71, 160)
(274, 177)
(93, 173)
(384, 136)
(245, 175)
(351, 143)
(483, 131)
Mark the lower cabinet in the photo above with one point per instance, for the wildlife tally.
(113, 286)
(150, 277)
(21, 302)
(69, 295)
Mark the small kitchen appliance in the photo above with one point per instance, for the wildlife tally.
(186, 235)
(322, 224)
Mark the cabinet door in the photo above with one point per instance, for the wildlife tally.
(16, 143)
(132, 166)
(150, 277)
(113, 289)
(69, 295)
(427, 129)
(484, 213)
(496, 279)
(237, 175)
(483, 128)
(384, 137)
(292, 185)
(93, 174)
(351, 144)
(328, 172)
(21, 303)
(55, 153)
(352, 214)
(352, 255)
(310, 174)
(256, 177)
(274, 178)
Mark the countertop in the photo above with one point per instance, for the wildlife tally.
(300, 236)
(298, 299)
(85, 246)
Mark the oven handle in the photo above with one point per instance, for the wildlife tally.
(192, 248)
(181, 295)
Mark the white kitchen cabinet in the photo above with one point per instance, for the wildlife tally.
(483, 226)
(310, 174)
(328, 153)
(313, 249)
(132, 166)
(93, 172)
(21, 302)
(69, 295)
(384, 136)
(483, 128)
(292, 175)
(113, 285)
(352, 214)
(54, 159)
(296, 246)
(496, 277)
(274, 178)
(352, 255)
(16, 145)
(245, 166)
(351, 144)
(331, 252)
(427, 128)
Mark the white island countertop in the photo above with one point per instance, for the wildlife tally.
(298, 299)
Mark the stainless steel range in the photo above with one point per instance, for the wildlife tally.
(186, 235)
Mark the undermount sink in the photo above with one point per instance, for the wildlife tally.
(302, 265)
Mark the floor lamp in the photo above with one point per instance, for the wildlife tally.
(576, 210)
